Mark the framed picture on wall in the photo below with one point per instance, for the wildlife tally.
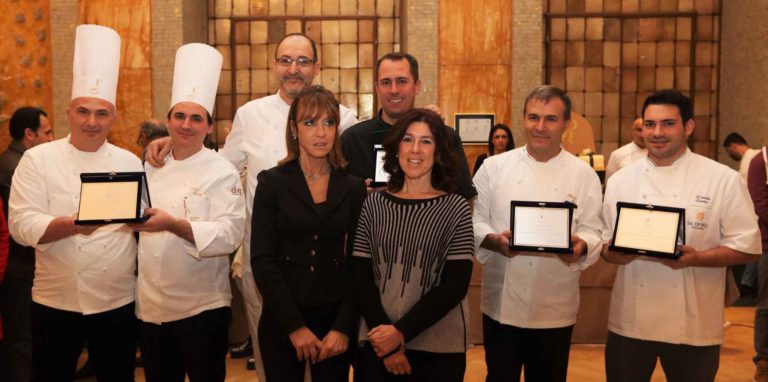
(474, 128)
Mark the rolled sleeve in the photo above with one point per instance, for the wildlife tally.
(738, 223)
(224, 230)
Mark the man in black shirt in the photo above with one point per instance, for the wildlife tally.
(29, 127)
(397, 84)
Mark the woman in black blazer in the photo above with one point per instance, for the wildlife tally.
(304, 215)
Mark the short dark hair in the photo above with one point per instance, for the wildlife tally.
(671, 97)
(311, 42)
(444, 175)
(27, 117)
(546, 93)
(734, 138)
(152, 129)
(399, 56)
(510, 142)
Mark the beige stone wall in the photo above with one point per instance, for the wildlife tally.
(743, 73)
(420, 38)
(527, 59)
(64, 15)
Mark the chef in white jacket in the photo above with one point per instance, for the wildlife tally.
(530, 300)
(197, 219)
(84, 275)
(632, 151)
(672, 310)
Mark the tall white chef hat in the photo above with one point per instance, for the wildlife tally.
(96, 64)
(196, 75)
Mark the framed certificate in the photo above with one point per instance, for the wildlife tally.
(380, 177)
(541, 226)
(114, 197)
(644, 229)
(474, 128)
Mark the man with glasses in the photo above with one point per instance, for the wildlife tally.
(257, 142)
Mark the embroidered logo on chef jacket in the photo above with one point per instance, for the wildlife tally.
(699, 212)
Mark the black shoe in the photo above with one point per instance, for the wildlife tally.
(250, 364)
(242, 350)
(86, 371)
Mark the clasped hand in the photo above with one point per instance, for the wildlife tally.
(310, 348)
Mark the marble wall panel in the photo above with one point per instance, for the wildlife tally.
(134, 92)
(475, 32)
(475, 89)
(25, 75)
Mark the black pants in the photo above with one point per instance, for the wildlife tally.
(425, 367)
(195, 346)
(59, 335)
(15, 308)
(629, 359)
(541, 353)
(279, 355)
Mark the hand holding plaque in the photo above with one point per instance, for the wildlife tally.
(541, 226)
(648, 230)
(116, 197)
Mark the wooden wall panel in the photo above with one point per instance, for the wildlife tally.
(25, 65)
(475, 32)
(134, 92)
(475, 54)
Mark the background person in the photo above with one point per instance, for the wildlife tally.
(29, 127)
(306, 211)
(413, 260)
(499, 140)
(628, 153)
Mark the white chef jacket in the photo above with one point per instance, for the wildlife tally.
(534, 290)
(85, 274)
(257, 142)
(623, 156)
(651, 301)
(178, 279)
(744, 164)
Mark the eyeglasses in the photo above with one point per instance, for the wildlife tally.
(302, 61)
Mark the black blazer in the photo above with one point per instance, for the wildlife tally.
(300, 251)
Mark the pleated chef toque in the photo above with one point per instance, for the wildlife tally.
(96, 64)
(196, 75)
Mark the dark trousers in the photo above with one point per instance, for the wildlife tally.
(279, 355)
(195, 346)
(629, 360)
(541, 353)
(425, 367)
(761, 309)
(15, 309)
(58, 339)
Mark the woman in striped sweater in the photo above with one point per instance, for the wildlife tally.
(412, 260)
